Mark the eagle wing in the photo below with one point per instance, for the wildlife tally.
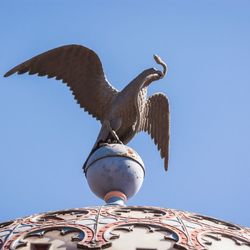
(81, 69)
(155, 121)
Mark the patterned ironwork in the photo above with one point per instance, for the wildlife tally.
(100, 227)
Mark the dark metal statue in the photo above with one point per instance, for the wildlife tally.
(122, 114)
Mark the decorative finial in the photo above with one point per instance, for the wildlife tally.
(115, 173)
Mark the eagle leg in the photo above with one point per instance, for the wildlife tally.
(102, 138)
(111, 131)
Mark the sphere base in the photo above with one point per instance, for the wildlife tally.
(115, 198)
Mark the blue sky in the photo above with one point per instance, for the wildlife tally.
(45, 136)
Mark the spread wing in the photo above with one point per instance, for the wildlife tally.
(80, 68)
(155, 121)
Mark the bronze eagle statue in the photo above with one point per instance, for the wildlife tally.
(122, 114)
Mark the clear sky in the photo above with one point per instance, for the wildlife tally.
(45, 137)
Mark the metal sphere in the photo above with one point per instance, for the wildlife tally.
(115, 168)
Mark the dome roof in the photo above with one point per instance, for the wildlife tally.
(121, 227)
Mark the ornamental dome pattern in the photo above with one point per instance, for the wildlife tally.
(122, 227)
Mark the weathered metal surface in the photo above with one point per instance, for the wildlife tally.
(117, 227)
(115, 167)
(115, 150)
